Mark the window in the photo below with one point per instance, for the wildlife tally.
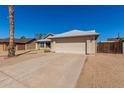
(42, 44)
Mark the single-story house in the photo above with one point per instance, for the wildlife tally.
(75, 41)
(20, 44)
(111, 45)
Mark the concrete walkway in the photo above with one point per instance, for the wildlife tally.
(51, 70)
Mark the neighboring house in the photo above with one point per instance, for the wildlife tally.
(20, 44)
(112, 45)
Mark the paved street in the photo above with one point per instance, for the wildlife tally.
(50, 70)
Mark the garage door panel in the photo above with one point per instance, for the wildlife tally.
(69, 48)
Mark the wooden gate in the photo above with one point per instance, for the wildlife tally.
(109, 47)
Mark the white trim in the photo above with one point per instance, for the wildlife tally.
(44, 40)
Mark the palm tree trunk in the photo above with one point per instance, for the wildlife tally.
(11, 48)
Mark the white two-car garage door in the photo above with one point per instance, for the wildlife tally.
(78, 48)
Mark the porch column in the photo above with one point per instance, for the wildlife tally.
(44, 44)
(36, 46)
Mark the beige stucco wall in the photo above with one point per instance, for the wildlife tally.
(91, 46)
(82, 45)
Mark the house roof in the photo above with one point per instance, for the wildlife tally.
(46, 38)
(75, 33)
(49, 35)
(16, 40)
(116, 39)
(108, 41)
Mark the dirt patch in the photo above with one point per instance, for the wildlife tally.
(102, 71)
(20, 57)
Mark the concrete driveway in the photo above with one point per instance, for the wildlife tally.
(51, 70)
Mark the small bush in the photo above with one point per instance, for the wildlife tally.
(47, 50)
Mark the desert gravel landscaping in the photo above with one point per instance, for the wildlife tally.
(102, 71)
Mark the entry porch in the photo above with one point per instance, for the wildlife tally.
(43, 43)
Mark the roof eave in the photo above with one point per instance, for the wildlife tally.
(97, 35)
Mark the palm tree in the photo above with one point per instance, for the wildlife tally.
(11, 48)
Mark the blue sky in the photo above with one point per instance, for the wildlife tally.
(106, 20)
